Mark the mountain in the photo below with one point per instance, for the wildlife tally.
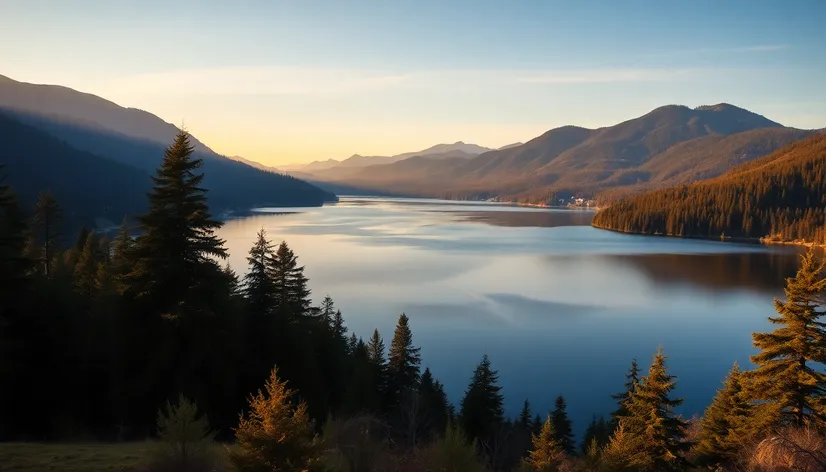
(668, 145)
(457, 149)
(779, 197)
(137, 138)
(89, 188)
(255, 164)
(508, 146)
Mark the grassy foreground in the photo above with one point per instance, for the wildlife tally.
(80, 457)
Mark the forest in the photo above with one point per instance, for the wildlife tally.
(147, 334)
(777, 198)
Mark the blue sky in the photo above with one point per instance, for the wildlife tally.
(290, 81)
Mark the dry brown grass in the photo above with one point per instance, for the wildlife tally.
(791, 450)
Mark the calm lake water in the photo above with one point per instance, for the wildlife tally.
(561, 308)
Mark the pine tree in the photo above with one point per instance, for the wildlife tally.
(788, 374)
(292, 297)
(46, 225)
(375, 349)
(276, 435)
(632, 379)
(727, 423)
(86, 269)
(562, 427)
(481, 413)
(546, 452)
(598, 432)
(403, 363)
(186, 434)
(434, 403)
(178, 246)
(352, 344)
(327, 312)
(524, 420)
(14, 265)
(651, 422)
(339, 329)
(122, 253)
(536, 425)
(258, 286)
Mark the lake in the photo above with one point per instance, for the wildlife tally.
(561, 308)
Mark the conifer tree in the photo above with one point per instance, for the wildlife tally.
(14, 264)
(178, 246)
(46, 225)
(86, 269)
(352, 344)
(121, 252)
(727, 423)
(546, 452)
(327, 312)
(292, 297)
(258, 286)
(375, 349)
(524, 419)
(789, 375)
(536, 425)
(276, 435)
(339, 329)
(435, 404)
(403, 363)
(562, 427)
(481, 413)
(632, 379)
(651, 423)
(598, 432)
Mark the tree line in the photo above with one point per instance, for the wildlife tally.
(781, 197)
(98, 336)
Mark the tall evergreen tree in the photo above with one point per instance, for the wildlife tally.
(121, 252)
(339, 328)
(178, 246)
(46, 226)
(789, 373)
(435, 406)
(546, 452)
(292, 296)
(562, 426)
(651, 423)
(598, 432)
(86, 269)
(258, 286)
(403, 363)
(481, 413)
(632, 379)
(727, 423)
(14, 265)
(327, 312)
(524, 419)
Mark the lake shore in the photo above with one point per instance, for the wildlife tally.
(766, 241)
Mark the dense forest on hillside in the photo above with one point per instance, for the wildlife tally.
(150, 336)
(781, 197)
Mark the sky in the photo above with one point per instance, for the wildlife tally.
(294, 81)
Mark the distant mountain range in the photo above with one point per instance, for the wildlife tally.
(439, 151)
(670, 145)
(99, 133)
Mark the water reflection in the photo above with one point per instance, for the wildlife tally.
(559, 306)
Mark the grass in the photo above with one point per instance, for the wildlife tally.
(80, 457)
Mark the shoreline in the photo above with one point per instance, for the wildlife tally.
(764, 241)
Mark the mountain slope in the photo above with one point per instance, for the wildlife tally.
(86, 186)
(138, 138)
(671, 144)
(781, 197)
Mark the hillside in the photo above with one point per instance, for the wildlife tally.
(137, 138)
(670, 145)
(780, 197)
(88, 187)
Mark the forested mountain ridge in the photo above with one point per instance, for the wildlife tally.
(88, 186)
(670, 145)
(780, 197)
(137, 138)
